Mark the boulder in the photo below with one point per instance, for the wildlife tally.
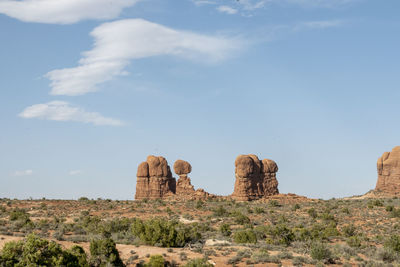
(389, 172)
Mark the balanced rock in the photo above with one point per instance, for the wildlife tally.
(389, 172)
(183, 186)
(254, 178)
(154, 179)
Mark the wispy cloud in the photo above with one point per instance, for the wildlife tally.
(203, 2)
(117, 43)
(227, 9)
(320, 24)
(63, 111)
(63, 11)
(23, 173)
(75, 172)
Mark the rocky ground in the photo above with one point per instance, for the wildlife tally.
(283, 230)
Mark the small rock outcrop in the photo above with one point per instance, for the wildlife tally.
(154, 179)
(389, 172)
(183, 186)
(255, 179)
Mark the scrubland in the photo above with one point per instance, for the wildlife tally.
(221, 232)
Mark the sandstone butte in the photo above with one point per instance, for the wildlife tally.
(389, 172)
(155, 181)
(255, 179)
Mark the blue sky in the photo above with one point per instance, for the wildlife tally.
(90, 88)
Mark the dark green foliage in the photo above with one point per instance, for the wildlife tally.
(281, 234)
(34, 251)
(274, 203)
(198, 263)
(240, 218)
(160, 232)
(245, 236)
(220, 211)
(225, 229)
(155, 261)
(104, 253)
(393, 243)
(313, 213)
(349, 230)
(319, 251)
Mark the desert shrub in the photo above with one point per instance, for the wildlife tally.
(104, 253)
(225, 229)
(259, 210)
(395, 213)
(245, 236)
(164, 233)
(393, 243)
(198, 263)
(354, 241)
(349, 230)
(281, 234)
(220, 211)
(386, 255)
(274, 203)
(155, 261)
(312, 213)
(295, 207)
(34, 251)
(319, 251)
(389, 208)
(240, 218)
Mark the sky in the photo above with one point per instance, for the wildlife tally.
(90, 88)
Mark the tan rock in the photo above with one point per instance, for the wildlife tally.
(154, 179)
(388, 167)
(255, 179)
(182, 167)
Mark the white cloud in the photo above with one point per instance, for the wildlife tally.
(23, 173)
(227, 9)
(75, 172)
(63, 111)
(119, 42)
(203, 2)
(63, 11)
(320, 24)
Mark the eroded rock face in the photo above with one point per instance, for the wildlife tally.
(154, 179)
(389, 172)
(184, 185)
(254, 178)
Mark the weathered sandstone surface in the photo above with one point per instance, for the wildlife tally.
(389, 172)
(184, 185)
(255, 179)
(154, 179)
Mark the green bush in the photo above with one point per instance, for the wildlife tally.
(155, 261)
(245, 236)
(319, 251)
(354, 241)
(198, 263)
(34, 251)
(240, 218)
(313, 213)
(393, 243)
(225, 229)
(349, 230)
(160, 232)
(282, 234)
(104, 253)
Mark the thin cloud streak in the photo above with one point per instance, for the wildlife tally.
(63, 111)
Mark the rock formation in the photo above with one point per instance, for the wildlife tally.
(154, 179)
(183, 186)
(254, 178)
(389, 172)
